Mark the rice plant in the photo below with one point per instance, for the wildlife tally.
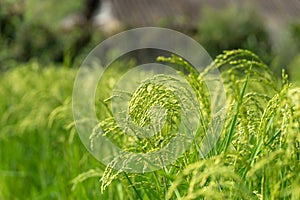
(257, 155)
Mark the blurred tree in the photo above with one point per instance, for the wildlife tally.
(295, 31)
(37, 41)
(91, 7)
(11, 16)
(233, 28)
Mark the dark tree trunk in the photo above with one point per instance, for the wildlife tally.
(91, 7)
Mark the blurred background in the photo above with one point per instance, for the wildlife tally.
(64, 31)
(42, 44)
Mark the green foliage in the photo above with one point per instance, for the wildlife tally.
(233, 28)
(256, 157)
(37, 41)
(259, 144)
(287, 49)
(295, 32)
(40, 152)
(293, 64)
(50, 13)
(10, 18)
(31, 32)
(294, 69)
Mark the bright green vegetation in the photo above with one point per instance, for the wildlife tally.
(42, 157)
(257, 155)
(40, 152)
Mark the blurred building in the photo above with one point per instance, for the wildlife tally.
(184, 13)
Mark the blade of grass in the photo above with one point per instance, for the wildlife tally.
(234, 119)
